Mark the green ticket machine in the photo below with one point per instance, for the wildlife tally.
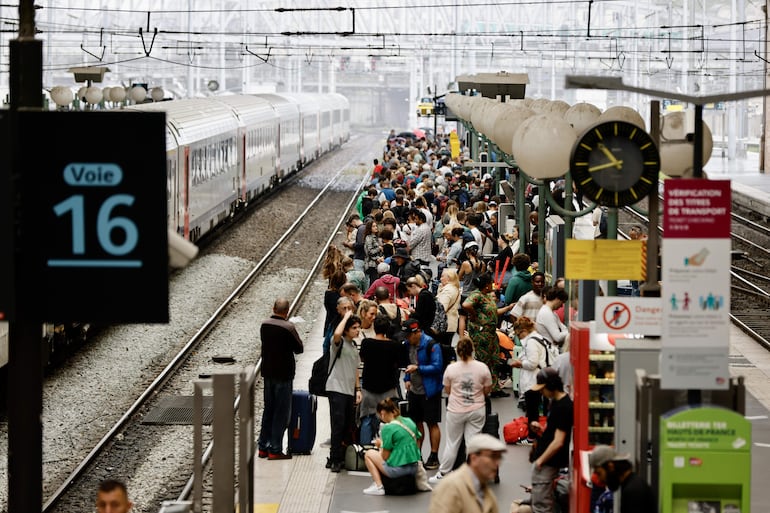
(705, 461)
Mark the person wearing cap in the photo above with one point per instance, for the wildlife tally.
(422, 378)
(466, 490)
(617, 472)
(551, 451)
(403, 267)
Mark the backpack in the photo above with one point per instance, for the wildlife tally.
(395, 324)
(440, 323)
(548, 350)
(448, 354)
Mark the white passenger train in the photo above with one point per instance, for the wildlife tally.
(224, 151)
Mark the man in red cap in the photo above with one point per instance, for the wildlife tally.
(423, 385)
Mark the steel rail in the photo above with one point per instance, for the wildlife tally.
(188, 488)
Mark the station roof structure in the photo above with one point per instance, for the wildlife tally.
(695, 46)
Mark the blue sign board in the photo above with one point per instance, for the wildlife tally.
(93, 243)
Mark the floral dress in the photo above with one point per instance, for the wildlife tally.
(482, 328)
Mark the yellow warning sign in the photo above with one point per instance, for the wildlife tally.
(603, 260)
(454, 144)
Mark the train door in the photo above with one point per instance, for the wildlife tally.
(278, 151)
(172, 189)
(185, 193)
(240, 176)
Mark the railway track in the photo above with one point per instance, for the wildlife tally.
(153, 458)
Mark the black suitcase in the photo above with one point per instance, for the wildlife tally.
(492, 427)
(302, 424)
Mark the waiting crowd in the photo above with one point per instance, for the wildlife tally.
(391, 325)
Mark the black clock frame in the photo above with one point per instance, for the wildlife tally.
(615, 163)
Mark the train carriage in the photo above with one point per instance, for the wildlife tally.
(309, 111)
(340, 119)
(206, 132)
(221, 152)
(289, 155)
(258, 136)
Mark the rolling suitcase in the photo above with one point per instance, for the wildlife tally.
(492, 427)
(302, 424)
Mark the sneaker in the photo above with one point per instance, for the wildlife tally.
(435, 479)
(432, 463)
(262, 454)
(336, 467)
(374, 490)
(525, 441)
(278, 456)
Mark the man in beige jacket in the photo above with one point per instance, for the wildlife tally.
(466, 490)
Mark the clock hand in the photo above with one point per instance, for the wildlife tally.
(617, 163)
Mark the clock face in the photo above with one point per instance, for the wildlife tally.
(615, 163)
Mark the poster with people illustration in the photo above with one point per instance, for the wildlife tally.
(696, 284)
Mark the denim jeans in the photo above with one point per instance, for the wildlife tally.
(370, 426)
(276, 415)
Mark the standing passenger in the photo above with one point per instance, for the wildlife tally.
(280, 342)
(552, 449)
(423, 386)
(467, 383)
(343, 386)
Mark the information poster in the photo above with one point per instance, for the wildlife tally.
(696, 284)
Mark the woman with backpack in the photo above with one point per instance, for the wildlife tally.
(535, 356)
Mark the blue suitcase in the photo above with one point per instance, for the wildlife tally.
(302, 424)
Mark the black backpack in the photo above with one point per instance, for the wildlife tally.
(395, 332)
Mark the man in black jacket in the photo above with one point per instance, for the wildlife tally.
(280, 342)
(551, 451)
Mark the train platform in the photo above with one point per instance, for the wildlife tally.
(750, 187)
(302, 484)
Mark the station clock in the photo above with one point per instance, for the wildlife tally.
(615, 163)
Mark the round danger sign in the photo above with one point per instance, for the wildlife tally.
(616, 316)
